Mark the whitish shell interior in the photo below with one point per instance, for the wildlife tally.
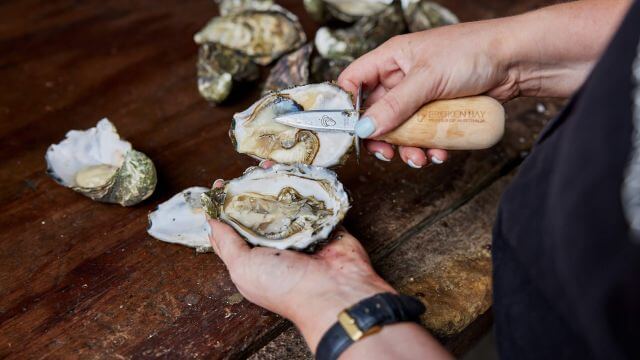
(242, 208)
(181, 220)
(256, 133)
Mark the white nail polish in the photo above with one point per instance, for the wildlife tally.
(413, 165)
(381, 156)
(261, 163)
(436, 160)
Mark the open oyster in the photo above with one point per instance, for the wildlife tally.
(365, 35)
(230, 6)
(262, 35)
(182, 220)
(284, 207)
(219, 68)
(423, 15)
(256, 133)
(98, 164)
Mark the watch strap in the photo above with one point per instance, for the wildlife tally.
(366, 317)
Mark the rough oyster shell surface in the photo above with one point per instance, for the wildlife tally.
(101, 166)
(284, 207)
(352, 10)
(255, 132)
(291, 70)
(230, 6)
(182, 220)
(261, 35)
(423, 15)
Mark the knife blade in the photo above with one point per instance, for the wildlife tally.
(321, 120)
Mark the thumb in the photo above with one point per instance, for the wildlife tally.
(228, 244)
(394, 108)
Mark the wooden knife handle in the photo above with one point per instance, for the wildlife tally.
(469, 123)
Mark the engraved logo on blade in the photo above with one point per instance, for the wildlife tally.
(327, 121)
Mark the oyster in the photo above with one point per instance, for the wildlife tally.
(182, 220)
(219, 67)
(290, 70)
(256, 133)
(284, 207)
(230, 6)
(262, 35)
(365, 35)
(323, 69)
(423, 15)
(352, 10)
(98, 164)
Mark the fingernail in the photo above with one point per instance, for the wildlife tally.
(365, 127)
(381, 156)
(436, 160)
(413, 165)
(261, 163)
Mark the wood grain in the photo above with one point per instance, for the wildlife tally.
(81, 279)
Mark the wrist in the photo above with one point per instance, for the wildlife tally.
(316, 315)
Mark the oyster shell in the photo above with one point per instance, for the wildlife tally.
(182, 220)
(230, 6)
(219, 68)
(365, 35)
(290, 70)
(256, 133)
(323, 69)
(262, 35)
(423, 15)
(100, 165)
(352, 10)
(284, 207)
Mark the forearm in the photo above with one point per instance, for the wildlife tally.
(552, 50)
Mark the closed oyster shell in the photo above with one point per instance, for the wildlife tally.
(230, 6)
(352, 10)
(101, 166)
(262, 35)
(284, 207)
(182, 220)
(219, 68)
(291, 70)
(423, 15)
(255, 132)
(363, 36)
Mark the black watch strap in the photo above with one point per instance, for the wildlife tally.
(364, 318)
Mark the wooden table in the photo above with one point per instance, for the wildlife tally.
(81, 279)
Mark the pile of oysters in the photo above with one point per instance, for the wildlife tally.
(296, 203)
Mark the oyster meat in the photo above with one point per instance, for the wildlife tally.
(363, 36)
(423, 15)
(262, 35)
(182, 220)
(284, 207)
(230, 6)
(100, 165)
(256, 133)
(219, 68)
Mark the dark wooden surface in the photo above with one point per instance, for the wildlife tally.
(83, 279)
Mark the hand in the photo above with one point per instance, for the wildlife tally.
(411, 70)
(310, 290)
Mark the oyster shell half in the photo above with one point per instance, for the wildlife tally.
(182, 220)
(219, 67)
(284, 207)
(262, 35)
(256, 133)
(365, 35)
(100, 165)
(423, 15)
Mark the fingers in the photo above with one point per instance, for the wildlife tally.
(229, 246)
(266, 164)
(380, 149)
(342, 243)
(437, 156)
(412, 156)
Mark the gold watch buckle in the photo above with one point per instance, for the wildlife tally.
(351, 327)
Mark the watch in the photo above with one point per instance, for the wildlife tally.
(365, 318)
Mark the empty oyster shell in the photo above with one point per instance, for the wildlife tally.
(182, 220)
(365, 35)
(98, 164)
(423, 15)
(291, 70)
(230, 6)
(219, 68)
(261, 35)
(256, 133)
(284, 207)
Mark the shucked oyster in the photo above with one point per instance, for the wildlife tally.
(365, 35)
(182, 220)
(98, 164)
(261, 35)
(256, 133)
(423, 15)
(284, 207)
(219, 68)
(230, 6)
